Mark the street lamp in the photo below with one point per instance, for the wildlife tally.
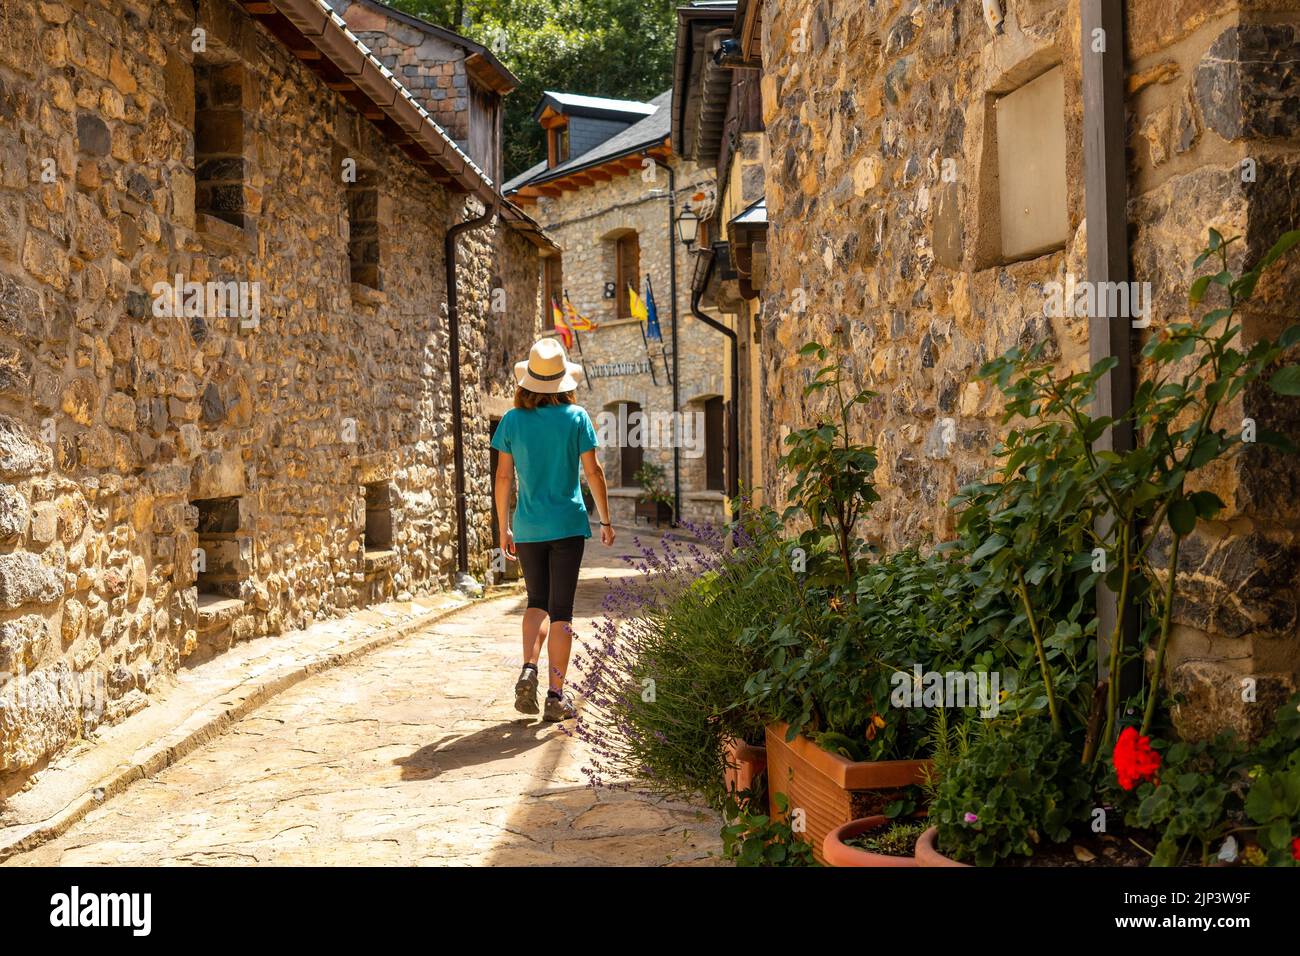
(688, 225)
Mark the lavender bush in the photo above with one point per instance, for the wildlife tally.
(663, 676)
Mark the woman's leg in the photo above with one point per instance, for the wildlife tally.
(565, 563)
(535, 628)
(535, 563)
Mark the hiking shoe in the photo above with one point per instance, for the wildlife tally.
(526, 692)
(557, 708)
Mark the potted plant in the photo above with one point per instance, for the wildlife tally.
(837, 745)
(876, 841)
(743, 763)
(1057, 518)
(654, 503)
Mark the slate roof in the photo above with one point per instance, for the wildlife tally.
(652, 130)
(578, 104)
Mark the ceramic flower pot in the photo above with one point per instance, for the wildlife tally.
(831, 790)
(837, 852)
(745, 762)
(927, 853)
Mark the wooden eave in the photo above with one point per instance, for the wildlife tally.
(307, 30)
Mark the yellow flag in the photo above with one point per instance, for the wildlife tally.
(638, 305)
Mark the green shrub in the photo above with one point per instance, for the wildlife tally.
(1014, 786)
(663, 675)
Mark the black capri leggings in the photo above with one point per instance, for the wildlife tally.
(551, 573)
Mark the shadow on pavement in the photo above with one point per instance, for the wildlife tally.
(498, 742)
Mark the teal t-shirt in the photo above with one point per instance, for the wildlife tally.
(546, 444)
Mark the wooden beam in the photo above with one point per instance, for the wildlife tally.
(1105, 205)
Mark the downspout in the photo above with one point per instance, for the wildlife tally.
(733, 413)
(1106, 211)
(463, 579)
(672, 281)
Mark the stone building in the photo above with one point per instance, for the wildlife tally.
(717, 121)
(609, 193)
(927, 181)
(225, 374)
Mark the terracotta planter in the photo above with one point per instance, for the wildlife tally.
(837, 852)
(747, 762)
(928, 855)
(829, 789)
(659, 512)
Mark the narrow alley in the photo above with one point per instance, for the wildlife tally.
(412, 754)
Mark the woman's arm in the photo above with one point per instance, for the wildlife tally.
(600, 492)
(505, 478)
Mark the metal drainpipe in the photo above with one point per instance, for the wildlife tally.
(672, 281)
(733, 414)
(457, 423)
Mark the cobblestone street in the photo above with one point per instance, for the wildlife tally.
(412, 754)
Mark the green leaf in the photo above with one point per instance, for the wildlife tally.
(1182, 517)
(991, 545)
(1206, 504)
(1197, 292)
(1286, 381)
(1280, 248)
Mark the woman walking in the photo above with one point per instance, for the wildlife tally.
(542, 440)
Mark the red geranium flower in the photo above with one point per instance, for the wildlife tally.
(1295, 848)
(1135, 761)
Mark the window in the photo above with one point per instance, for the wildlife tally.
(627, 271)
(219, 563)
(557, 145)
(379, 516)
(630, 454)
(219, 141)
(363, 229)
(552, 288)
(1031, 167)
(715, 475)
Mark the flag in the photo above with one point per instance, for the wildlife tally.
(637, 304)
(566, 334)
(652, 314)
(577, 321)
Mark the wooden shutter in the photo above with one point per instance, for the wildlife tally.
(627, 271)
(629, 458)
(715, 478)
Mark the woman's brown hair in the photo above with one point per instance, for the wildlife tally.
(524, 398)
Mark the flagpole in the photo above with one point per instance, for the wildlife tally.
(650, 360)
(577, 339)
(663, 354)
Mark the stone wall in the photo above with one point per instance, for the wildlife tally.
(116, 419)
(432, 68)
(585, 223)
(514, 319)
(865, 101)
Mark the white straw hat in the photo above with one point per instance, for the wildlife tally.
(548, 369)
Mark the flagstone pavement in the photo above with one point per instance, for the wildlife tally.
(412, 754)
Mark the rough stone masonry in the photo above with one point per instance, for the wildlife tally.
(171, 483)
(883, 196)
